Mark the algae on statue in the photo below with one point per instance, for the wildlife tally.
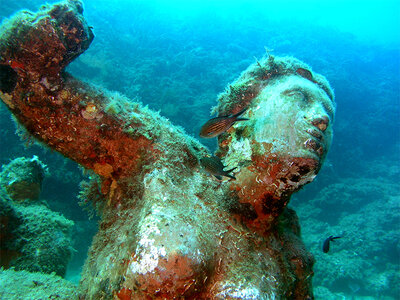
(167, 229)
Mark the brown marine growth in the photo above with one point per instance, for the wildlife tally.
(167, 229)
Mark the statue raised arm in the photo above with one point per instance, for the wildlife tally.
(168, 230)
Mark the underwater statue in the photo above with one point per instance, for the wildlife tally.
(169, 230)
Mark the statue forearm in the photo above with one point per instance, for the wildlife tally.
(75, 122)
(168, 229)
(100, 130)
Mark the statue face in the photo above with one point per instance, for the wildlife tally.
(280, 148)
(293, 115)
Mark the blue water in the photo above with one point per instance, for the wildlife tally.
(176, 56)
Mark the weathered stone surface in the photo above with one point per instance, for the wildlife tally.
(27, 285)
(22, 178)
(168, 230)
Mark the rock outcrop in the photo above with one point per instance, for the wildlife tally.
(167, 229)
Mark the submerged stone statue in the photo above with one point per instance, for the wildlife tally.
(168, 230)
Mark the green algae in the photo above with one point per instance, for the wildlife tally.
(30, 285)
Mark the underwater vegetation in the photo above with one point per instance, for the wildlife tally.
(36, 243)
(167, 229)
(364, 212)
(347, 198)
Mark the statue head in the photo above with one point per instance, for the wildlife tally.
(285, 141)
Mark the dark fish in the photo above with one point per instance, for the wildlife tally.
(325, 247)
(219, 125)
(214, 166)
(305, 74)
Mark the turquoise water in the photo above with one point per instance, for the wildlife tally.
(176, 56)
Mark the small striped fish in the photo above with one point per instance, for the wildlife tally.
(214, 166)
(219, 125)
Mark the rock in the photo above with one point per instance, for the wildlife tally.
(23, 178)
(33, 238)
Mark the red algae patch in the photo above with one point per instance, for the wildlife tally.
(91, 112)
(103, 170)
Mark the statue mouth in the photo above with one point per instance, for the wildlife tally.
(315, 143)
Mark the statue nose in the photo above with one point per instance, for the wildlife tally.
(321, 123)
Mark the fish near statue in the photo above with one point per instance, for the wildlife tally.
(167, 231)
(216, 126)
(214, 166)
(326, 245)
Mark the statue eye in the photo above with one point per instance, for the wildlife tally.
(296, 95)
(329, 108)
